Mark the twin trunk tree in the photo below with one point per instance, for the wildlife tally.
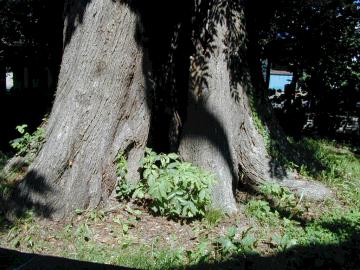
(173, 76)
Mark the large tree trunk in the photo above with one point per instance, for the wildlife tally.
(100, 110)
(220, 134)
(226, 131)
(103, 99)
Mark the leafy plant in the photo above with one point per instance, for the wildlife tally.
(260, 209)
(283, 242)
(28, 143)
(229, 244)
(96, 215)
(200, 254)
(177, 189)
(123, 189)
(130, 222)
(169, 186)
(282, 198)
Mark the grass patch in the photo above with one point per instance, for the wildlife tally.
(275, 228)
(337, 166)
(101, 238)
(214, 216)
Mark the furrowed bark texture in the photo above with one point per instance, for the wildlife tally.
(102, 101)
(222, 133)
(100, 110)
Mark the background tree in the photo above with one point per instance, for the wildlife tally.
(319, 41)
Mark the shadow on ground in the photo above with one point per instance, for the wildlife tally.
(345, 255)
(334, 244)
(10, 259)
(17, 200)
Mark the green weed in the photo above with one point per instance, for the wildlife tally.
(214, 216)
(201, 254)
(261, 210)
(170, 187)
(283, 242)
(28, 143)
(282, 199)
(230, 245)
(124, 189)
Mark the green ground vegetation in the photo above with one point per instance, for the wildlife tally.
(274, 227)
(169, 187)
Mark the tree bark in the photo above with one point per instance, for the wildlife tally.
(226, 132)
(220, 134)
(100, 110)
(106, 88)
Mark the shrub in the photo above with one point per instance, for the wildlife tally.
(170, 187)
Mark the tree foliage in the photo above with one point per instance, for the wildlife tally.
(320, 42)
(29, 27)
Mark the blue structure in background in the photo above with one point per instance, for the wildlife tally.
(279, 78)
